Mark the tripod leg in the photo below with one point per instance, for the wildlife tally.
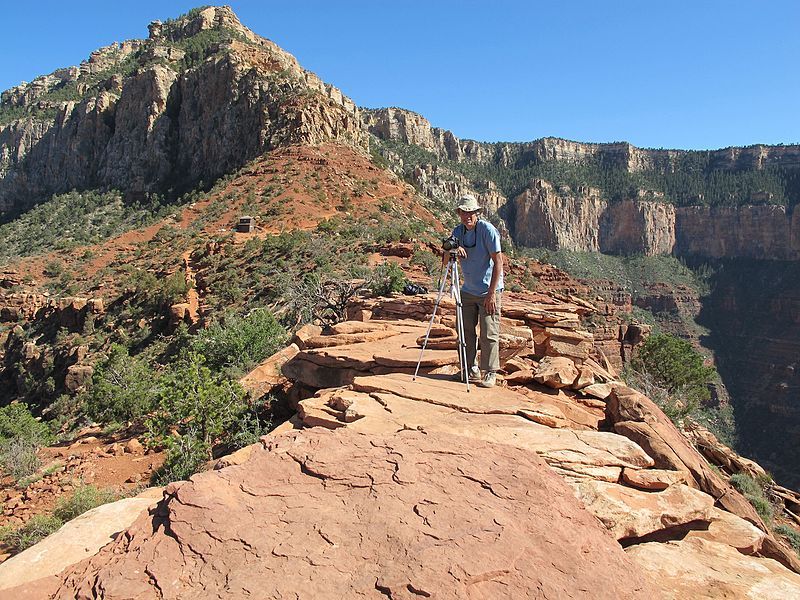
(445, 273)
(462, 344)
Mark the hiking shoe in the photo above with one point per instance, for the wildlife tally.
(489, 380)
(474, 375)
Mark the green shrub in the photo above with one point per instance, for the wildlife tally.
(124, 388)
(429, 261)
(186, 456)
(200, 403)
(18, 457)
(792, 535)
(676, 366)
(754, 494)
(21, 436)
(17, 422)
(237, 344)
(83, 498)
(387, 278)
(158, 293)
(32, 532)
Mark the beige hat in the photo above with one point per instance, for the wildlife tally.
(468, 203)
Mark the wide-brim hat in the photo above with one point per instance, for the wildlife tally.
(468, 203)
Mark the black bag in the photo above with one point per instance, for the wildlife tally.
(412, 289)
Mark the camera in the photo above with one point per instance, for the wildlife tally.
(450, 243)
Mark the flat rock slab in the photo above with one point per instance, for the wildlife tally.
(268, 373)
(383, 412)
(76, 540)
(630, 513)
(701, 569)
(478, 400)
(324, 514)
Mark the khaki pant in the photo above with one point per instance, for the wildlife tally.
(475, 314)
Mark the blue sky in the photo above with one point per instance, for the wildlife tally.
(673, 74)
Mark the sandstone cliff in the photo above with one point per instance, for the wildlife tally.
(145, 117)
(584, 218)
(555, 218)
(411, 128)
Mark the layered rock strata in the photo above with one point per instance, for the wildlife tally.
(165, 127)
(409, 127)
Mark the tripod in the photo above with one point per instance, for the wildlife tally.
(451, 272)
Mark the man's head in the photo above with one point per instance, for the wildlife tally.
(468, 209)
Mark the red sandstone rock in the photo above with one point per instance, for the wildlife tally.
(698, 568)
(556, 372)
(342, 515)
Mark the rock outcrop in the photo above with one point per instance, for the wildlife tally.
(168, 125)
(390, 484)
(343, 514)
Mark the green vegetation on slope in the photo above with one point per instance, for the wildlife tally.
(633, 274)
(672, 373)
(75, 219)
(694, 182)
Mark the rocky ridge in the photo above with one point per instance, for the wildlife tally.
(411, 128)
(384, 480)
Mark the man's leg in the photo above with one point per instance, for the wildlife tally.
(469, 309)
(490, 336)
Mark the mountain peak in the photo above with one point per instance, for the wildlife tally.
(197, 20)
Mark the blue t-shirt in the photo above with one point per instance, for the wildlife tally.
(478, 265)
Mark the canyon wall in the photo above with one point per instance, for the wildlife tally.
(559, 218)
(411, 128)
(583, 219)
(753, 320)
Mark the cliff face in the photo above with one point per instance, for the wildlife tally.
(411, 128)
(753, 316)
(165, 127)
(583, 219)
(545, 216)
(559, 218)
(760, 232)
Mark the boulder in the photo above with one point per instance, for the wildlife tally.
(733, 531)
(638, 418)
(556, 372)
(77, 376)
(652, 479)
(630, 513)
(699, 568)
(304, 333)
(267, 375)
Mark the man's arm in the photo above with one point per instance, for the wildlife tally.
(497, 271)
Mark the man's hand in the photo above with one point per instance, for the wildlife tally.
(462, 253)
(489, 304)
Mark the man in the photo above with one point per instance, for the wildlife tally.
(482, 268)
